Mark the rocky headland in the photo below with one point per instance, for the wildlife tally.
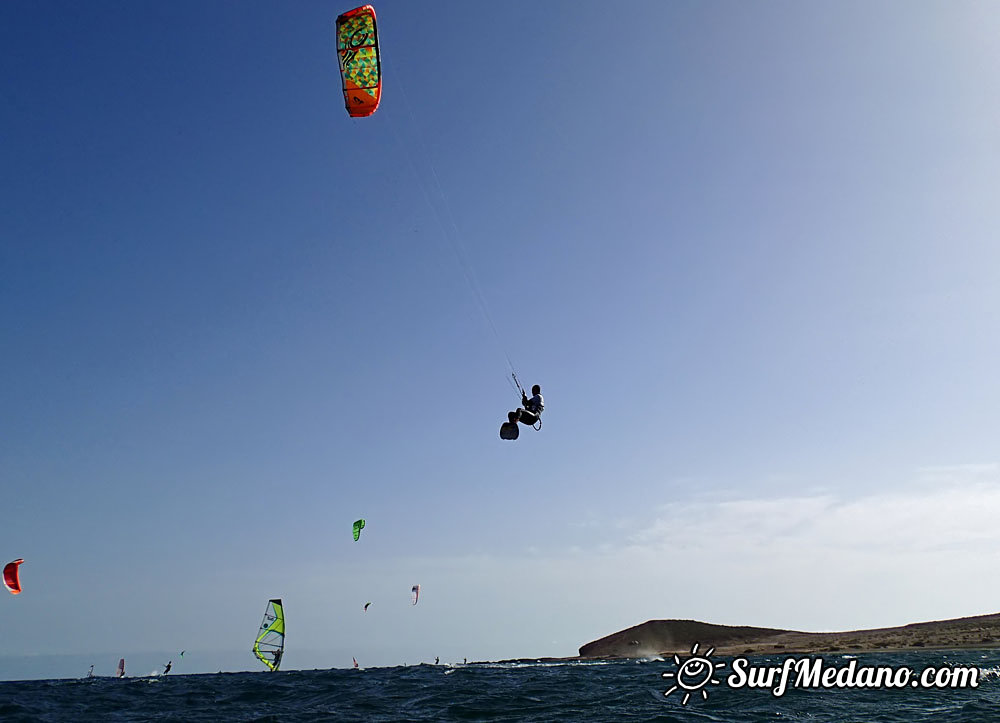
(661, 637)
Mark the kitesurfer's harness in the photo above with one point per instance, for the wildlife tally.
(538, 422)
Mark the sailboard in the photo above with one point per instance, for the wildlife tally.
(121, 669)
(270, 643)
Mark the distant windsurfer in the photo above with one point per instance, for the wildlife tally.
(270, 640)
(90, 673)
(167, 669)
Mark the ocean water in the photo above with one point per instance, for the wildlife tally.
(525, 691)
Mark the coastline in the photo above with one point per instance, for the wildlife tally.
(668, 637)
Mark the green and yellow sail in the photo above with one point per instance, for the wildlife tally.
(270, 643)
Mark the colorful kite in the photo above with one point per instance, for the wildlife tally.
(11, 576)
(415, 593)
(360, 67)
(358, 526)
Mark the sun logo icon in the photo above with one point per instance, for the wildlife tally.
(694, 674)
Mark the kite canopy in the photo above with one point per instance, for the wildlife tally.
(360, 67)
(358, 526)
(415, 593)
(11, 576)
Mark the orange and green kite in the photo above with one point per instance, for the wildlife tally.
(360, 67)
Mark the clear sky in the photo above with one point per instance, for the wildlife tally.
(749, 250)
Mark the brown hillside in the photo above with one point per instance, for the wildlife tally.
(658, 637)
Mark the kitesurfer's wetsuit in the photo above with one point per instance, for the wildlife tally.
(532, 409)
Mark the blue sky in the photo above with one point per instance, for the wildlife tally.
(748, 250)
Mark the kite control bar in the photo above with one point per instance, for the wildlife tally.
(519, 387)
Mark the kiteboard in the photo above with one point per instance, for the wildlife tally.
(509, 430)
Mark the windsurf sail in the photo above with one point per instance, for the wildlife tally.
(11, 576)
(90, 673)
(355, 661)
(360, 66)
(121, 669)
(358, 526)
(270, 643)
(415, 593)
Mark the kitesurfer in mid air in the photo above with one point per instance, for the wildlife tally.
(531, 411)
(167, 669)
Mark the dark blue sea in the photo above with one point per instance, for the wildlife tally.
(523, 691)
